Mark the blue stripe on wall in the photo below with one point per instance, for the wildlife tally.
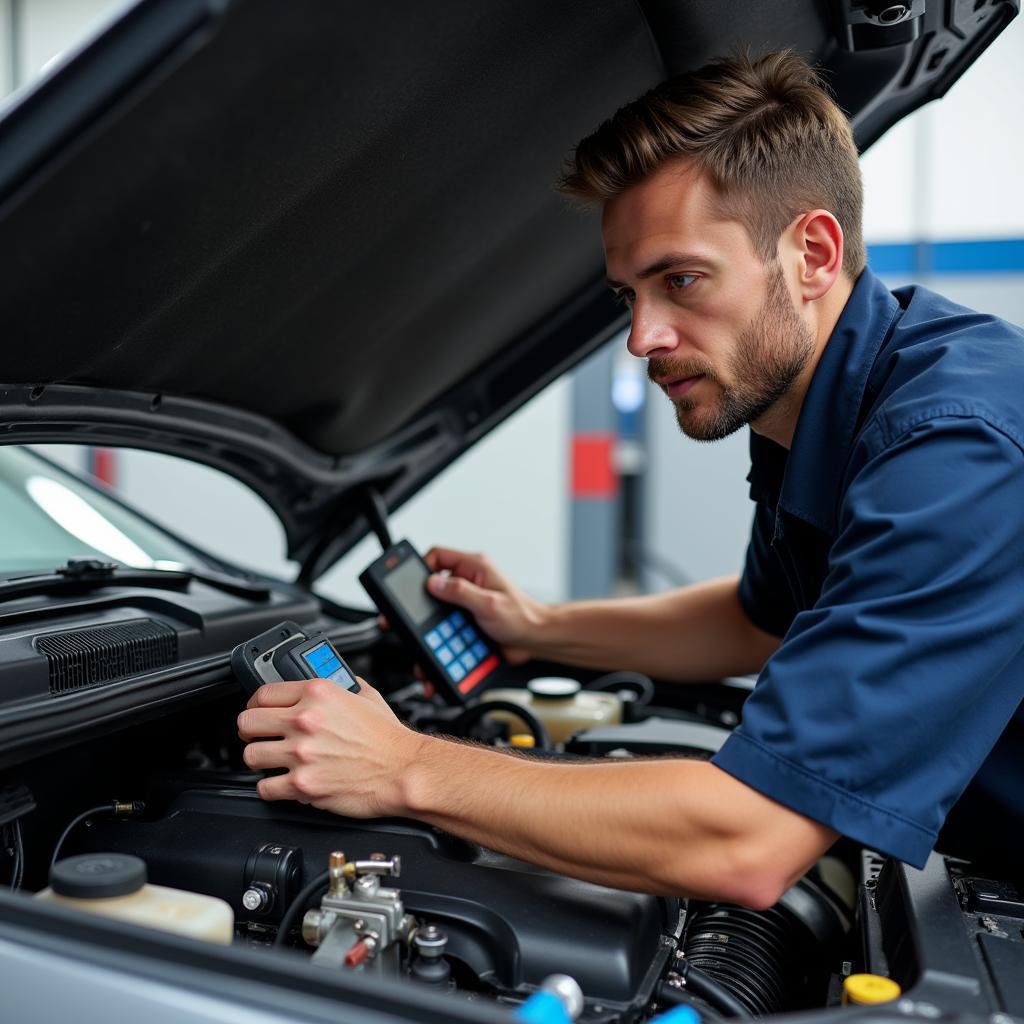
(976, 256)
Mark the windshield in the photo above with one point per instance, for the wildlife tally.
(50, 516)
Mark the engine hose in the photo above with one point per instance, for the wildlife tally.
(298, 905)
(703, 985)
(766, 959)
(474, 713)
(637, 681)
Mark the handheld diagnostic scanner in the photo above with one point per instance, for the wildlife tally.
(285, 652)
(456, 656)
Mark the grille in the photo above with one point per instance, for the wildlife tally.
(101, 655)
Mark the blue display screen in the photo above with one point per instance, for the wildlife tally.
(325, 663)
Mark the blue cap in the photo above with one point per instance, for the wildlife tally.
(543, 1008)
(678, 1015)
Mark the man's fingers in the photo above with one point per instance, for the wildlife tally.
(267, 754)
(254, 723)
(369, 693)
(277, 787)
(443, 558)
(458, 591)
(277, 695)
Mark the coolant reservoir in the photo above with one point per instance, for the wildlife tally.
(561, 704)
(114, 885)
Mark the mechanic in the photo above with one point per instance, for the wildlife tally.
(882, 598)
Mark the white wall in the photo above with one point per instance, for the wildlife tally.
(950, 171)
(46, 28)
(507, 496)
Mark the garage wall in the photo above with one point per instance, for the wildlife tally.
(949, 173)
(34, 32)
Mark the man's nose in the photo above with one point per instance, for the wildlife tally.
(650, 334)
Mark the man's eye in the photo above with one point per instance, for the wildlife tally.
(625, 297)
(677, 282)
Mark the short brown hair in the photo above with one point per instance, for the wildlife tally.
(773, 141)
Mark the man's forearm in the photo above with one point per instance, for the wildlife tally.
(672, 827)
(697, 632)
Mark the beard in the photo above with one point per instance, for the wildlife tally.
(770, 354)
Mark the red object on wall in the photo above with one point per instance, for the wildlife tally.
(104, 465)
(593, 468)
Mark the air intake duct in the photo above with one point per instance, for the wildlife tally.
(771, 960)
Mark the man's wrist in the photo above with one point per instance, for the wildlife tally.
(547, 630)
(416, 784)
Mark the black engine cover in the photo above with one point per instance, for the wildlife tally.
(511, 923)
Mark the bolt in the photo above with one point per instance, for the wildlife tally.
(313, 927)
(367, 885)
(406, 929)
(254, 899)
(430, 941)
(893, 14)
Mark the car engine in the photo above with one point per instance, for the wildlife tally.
(397, 899)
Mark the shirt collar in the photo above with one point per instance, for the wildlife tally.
(828, 422)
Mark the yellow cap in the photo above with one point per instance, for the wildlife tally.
(522, 739)
(865, 989)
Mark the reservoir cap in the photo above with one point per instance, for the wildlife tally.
(97, 876)
(868, 989)
(553, 688)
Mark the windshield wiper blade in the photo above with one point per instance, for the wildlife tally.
(84, 574)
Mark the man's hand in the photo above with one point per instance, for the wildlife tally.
(345, 752)
(505, 613)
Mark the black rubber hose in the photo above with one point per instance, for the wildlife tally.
(20, 839)
(703, 985)
(108, 808)
(13, 840)
(298, 907)
(473, 714)
(643, 685)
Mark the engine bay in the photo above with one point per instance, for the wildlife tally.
(395, 899)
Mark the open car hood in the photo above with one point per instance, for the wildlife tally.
(319, 247)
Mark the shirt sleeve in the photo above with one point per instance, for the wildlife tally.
(887, 695)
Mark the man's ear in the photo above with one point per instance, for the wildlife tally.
(817, 242)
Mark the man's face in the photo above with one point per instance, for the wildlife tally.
(716, 324)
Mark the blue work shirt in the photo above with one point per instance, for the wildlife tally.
(887, 550)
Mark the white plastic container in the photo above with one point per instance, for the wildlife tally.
(561, 704)
(114, 885)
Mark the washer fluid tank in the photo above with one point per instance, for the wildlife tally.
(114, 885)
(561, 704)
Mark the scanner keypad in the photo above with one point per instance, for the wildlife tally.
(457, 646)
